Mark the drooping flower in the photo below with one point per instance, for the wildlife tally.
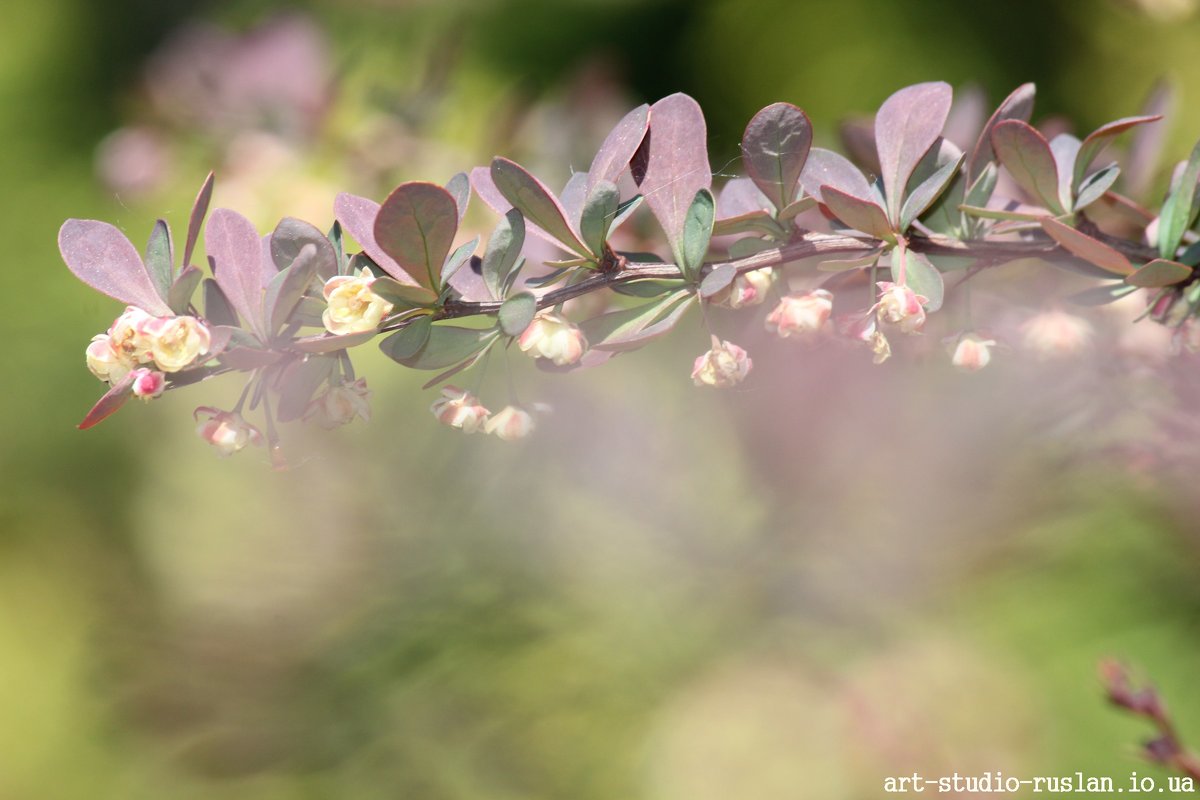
(340, 404)
(130, 336)
(460, 409)
(1056, 334)
(554, 337)
(971, 352)
(105, 361)
(901, 306)
(176, 342)
(723, 366)
(352, 306)
(147, 383)
(801, 314)
(510, 423)
(747, 289)
(225, 430)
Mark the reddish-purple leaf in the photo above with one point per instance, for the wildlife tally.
(1097, 139)
(357, 216)
(416, 226)
(1019, 106)
(774, 149)
(739, 197)
(101, 256)
(857, 135)
(573, 197)
(1026, 155)
(1091, 250)
(537, 203)
(107, 405)
(619, 146)
(199, 209)
(907, 125)
(1159, 272)
(235, 251)
(967, 115)
(827, 168)
(676, 164)
(861, 215)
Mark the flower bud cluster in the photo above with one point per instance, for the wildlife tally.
(458, 408)
(136, 338)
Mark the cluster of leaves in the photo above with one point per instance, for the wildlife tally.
(919, 207)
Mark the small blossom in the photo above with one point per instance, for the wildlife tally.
(554, 337)
(106, 362)
(972, 352)
(510, 423)
(1056, 334)
(147, 383)
(723, 366)
(459, 409)
(175, 342)
(339, 405)
(880, 346)
(129, 335)
(801, 314)
(353, 307)
(747, 289)
(901, 306)
(225, 430)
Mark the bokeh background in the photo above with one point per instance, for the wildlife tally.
(835, 574)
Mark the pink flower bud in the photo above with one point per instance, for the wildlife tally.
(225, 430)
(147, 383)
(510, 423)
(723, 366)
(972, 352)
(339, 405)
(901, 306)
(747, 289)
(801, 314)
(459, 409)
(554, 337)
(1056, 334)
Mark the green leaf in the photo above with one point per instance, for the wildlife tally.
(516, 313)
(503, 249)
(1158, 273)
(339, 246)
(287, 287)
(717, 280)
(403, 295)
(617, 324)
(646, 288)
(927, 192)
(697, 232)
(1095, 185)
(924, 279)
(444, 345)
(408, 341)
(537, 203)
(159, 258)
(1181, 207)
(179, 296)
(625, 210)
(416, 226)
(456, 259)
(599, 212)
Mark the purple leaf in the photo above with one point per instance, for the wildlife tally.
(416, 226)
(1019, 106)
(827, 168)
(858, 141)
(740, 196)
(1097, 139)
(357, 216)
(199, 209)
(537, 203)
(235, 251)
(101, 256)
(861, 215)
(676, 164)
(107, 405)
(967, 114)
(1091, 250)
(619, 146)
(291, 235)
(907, 125)
(774, 149)
(1026, 154)
(573, 197)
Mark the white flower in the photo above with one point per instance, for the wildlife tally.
(339, 405)
(554, 337)
(459, 409)
(972, 352)
(225, 430)
(352, 306)
(510, 423)
(747, 289)
(106, 362)
(801, 314)
(901, 306)
(176, 342)
(723, 366)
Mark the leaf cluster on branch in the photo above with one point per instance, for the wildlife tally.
(861, 254)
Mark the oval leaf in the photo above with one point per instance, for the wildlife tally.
(235, 252)
(179, 296)
(827, 168)
(676, 164)
(1179, 211)
(416, 226)
(1097, 139)
(924, 279)
(444, 346)
(906, 126)
(697, 232)
(101, 256)
(531, 197)
(774, 149)
(516, 313)
(1026, 154)
(598, 214)
(196, 219)
(619, 146)
(503, 250)
(160, 258)
(357, 215)
(927, 192)
(291, 235)
(861, 215)
(1018, 106)
(1158, 273)
(1091, 250)
(459, 187)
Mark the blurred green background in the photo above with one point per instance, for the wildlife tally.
(793, 591)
